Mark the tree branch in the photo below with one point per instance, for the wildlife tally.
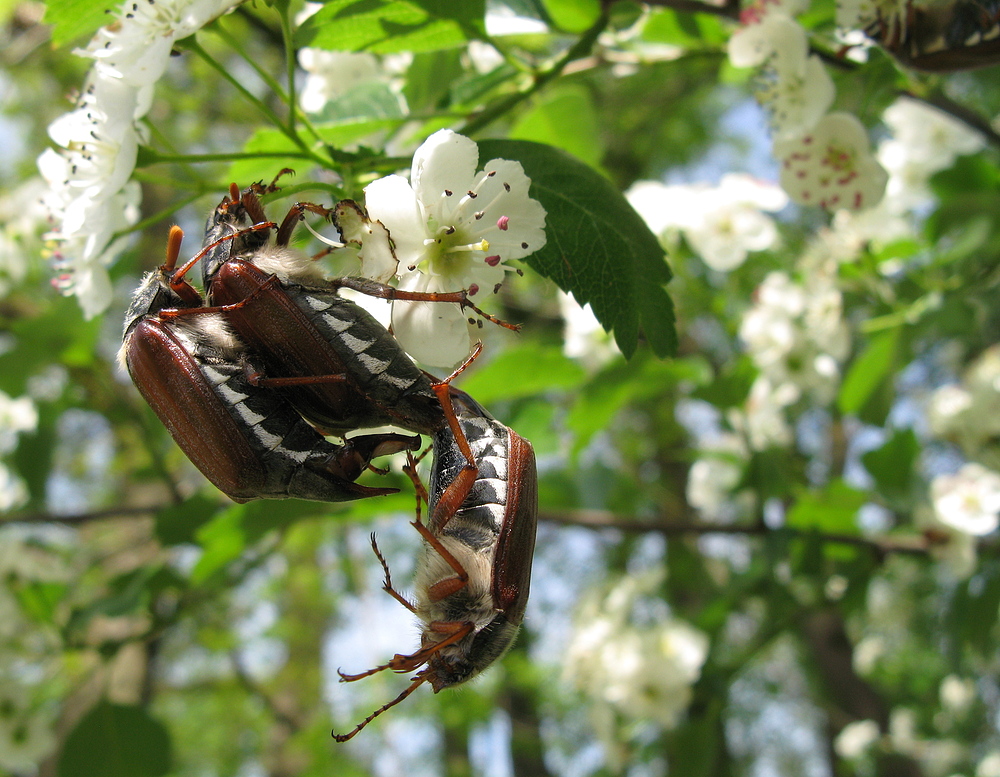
(601, 519)
(78, 518)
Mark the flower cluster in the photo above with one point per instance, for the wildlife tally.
(715, 475)
(90, 198)
(17, 416)
(968, 413)
(796, 334)
(722, 224)
(968, 500)
(639, 674)
(452, 227)
(826, 158)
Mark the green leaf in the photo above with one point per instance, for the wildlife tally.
(974, 610)
(73, 19)
(226, 537)
(665, 25)
(567, 106)
(731, 386)
(573, 15)
(868, 371)
(599, 249)
(430, 77)
(892, 466)
(523, 371)
(391, 26)
(832, 509)
(115, 740)
(180, 523)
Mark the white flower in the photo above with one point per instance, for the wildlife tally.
(583, 336)
(969, 500)
(16, 416)
(754, 44)
(90, 197)
(832, 166)
(643, 673)
(330, 74)
(796, 334)
(13, 492)
(453, 228)
(26, 734)
(715, 474)
(762, 419)
(796, 90)
(957, 694)
(722, 224)
(969, 413)
(855, 738)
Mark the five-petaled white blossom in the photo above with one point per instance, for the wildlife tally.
(832, 166)
(453, 228)
(90, 197)
(969, 500)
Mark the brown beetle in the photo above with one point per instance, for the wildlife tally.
(473, 576)
(248, 441)
(339, 367)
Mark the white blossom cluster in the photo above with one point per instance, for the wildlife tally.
(17, 416)
(722, 224)
(924, 141)
(797, 337)
(825, 157)
(967, 413)
(632, 674)
(715, 475)
(91, 198)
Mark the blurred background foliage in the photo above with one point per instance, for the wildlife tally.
(724, 583)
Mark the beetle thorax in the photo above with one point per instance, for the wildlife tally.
(289, 264)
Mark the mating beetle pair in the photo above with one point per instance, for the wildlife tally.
(232, 380)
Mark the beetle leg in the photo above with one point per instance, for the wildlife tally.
(417, 681)
(257, 378)
(384, 291)
(449, 585)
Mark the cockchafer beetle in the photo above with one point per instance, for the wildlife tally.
(248, 441)
(473, 576)
(337, 365)
(941, 37)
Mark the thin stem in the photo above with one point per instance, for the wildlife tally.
(578, 50)
(600, 519)
(266, 77)
(273, 118)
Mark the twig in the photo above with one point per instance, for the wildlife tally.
(77, 518)
(600, 519)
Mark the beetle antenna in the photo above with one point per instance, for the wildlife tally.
(387, 583)
(179, 274)
(420, 678)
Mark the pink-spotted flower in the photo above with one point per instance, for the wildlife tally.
(832, 166)
(453, 227)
